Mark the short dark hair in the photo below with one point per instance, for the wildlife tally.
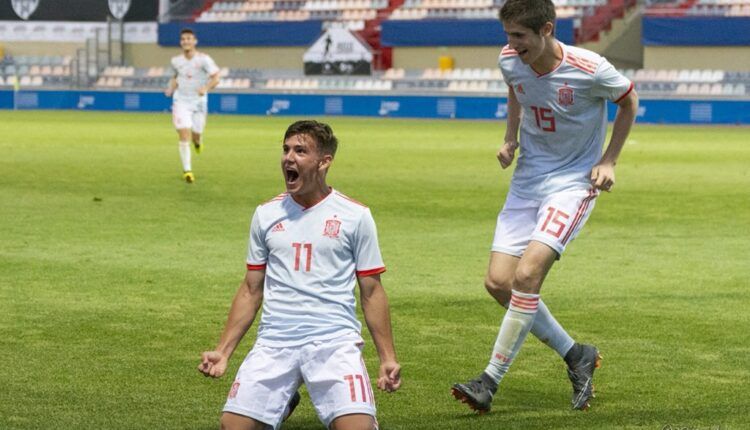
(531, 14)
(320, 132)
(187, 31)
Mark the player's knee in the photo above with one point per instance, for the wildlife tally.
(527, 279)
(230, 421)
(498, 286)
(354, 422)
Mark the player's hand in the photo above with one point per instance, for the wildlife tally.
(389, 376)
(603, 176)
(213, 364)
(506, 153)
(202, 91)
(168, 92)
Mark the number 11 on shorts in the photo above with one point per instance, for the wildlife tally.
(352, 390)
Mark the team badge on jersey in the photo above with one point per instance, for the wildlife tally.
(519, 89)
(332, 228)
(565, 96)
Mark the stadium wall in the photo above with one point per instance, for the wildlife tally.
(696, 42)
(729, 58)
(243, 57)
(41, 48)
(463, 56)
(488, 108)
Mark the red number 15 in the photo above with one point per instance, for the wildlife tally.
(545, 119)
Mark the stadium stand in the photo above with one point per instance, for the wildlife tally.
(53, 72)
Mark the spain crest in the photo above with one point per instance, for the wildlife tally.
(565, 96)
(332, 228)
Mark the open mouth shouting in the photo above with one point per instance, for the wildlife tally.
(291, 175)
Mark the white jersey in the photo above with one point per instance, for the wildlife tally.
(191, 75)
(312, 257)
(564, 121)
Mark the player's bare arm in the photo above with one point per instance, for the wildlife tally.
(378, 318)
(244, 308)
(213, 81)
(508, 151)
(603, 173)
(171, 86)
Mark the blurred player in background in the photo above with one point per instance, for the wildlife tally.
(308, 247)
(194, 75)
(557, 95)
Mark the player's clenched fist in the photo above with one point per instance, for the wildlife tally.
(603, 176)
(389, 377)
(213, 364)
(506, 154)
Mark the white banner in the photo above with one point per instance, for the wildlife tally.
(337, 44)
(338, 52)
(67, 31)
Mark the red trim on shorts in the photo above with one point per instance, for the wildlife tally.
(256, 266)
(632, 85)
(370, 272)
(579, 215)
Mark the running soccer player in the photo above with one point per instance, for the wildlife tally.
(194, 75)
(307, 249)
(557, 95)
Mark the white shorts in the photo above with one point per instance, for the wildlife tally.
(554, 221)
(189, 115)
(333, 372)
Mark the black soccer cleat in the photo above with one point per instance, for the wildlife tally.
(293, 402)
(476, 393)
(581, 374)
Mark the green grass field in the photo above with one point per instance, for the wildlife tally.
(115, 275)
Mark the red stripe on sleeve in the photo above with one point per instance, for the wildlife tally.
(256, 266)
(632, 85)
(370, 272)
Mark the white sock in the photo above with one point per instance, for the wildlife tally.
(513, 330)
(185, 156)
(549, 331)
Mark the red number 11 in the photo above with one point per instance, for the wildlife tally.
(298, 253)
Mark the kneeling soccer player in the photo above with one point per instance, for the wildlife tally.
(308, 247)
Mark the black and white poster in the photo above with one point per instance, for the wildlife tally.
(338, 52)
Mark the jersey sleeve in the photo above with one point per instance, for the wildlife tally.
(504, 62)
(210, 66)
(367, 258)
(173, 67)
(610, 84)
(257, 252)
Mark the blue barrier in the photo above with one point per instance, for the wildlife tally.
(696, 31)
(457, 32)
(401, 106)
